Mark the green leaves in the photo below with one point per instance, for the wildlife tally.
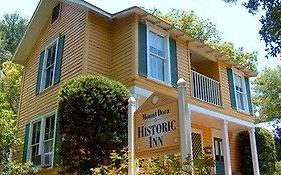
(267, 94)
(207, 32)
(92, 115)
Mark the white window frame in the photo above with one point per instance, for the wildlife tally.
(167, 63)
(43, 69)
(42, 134)
(241, 74)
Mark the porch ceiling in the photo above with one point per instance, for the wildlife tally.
(213, 122)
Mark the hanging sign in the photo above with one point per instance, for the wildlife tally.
(157, 127)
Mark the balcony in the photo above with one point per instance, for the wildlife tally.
(206, 89)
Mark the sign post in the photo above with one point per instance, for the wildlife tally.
(132, 105)
(185, 122)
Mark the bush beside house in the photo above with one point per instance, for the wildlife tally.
(266, 152)
(92, 117)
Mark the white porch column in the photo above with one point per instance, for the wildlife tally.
(254, 152)
(131, 135)
(185, 121)
(226, 149)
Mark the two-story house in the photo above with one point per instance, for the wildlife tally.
(67, 38)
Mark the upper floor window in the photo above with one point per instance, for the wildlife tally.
(240, 92)
(56, 13)
(41, 148)
(50, 64)
(158, 56)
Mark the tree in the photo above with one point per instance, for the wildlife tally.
(92, 114)
(206, 32)
(201, 29)
(12, 28)
(265, 148)
(267, 94)
(10, 84)
(270, 31)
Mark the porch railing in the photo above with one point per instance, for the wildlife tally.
(206, 89)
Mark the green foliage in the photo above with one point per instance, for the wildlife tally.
(12, 28)
(246, 59)
(267, 94)
(266, 152)
(10, 84)
(201, 29)
(167, 165)
(207, 32)
(14, 168)
(278, 168)
(92, 114)
(270, 31)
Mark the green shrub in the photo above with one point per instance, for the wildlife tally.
(278, 168)
(168, 165)
(266, 152)
(92, 116)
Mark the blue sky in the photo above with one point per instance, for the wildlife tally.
(234, 23)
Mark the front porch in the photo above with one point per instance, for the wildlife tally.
(221, 133)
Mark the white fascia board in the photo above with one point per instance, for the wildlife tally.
(218, 115)
(140, 91)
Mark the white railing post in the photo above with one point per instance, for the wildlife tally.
(254, 151)
(132, 105)
(205, 88)
(185, 121)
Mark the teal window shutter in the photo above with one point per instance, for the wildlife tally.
(231, 88)
(58, 139)
(173, 62)
(142, 49)
(248, 90)
(59, 60)
(25, 147)
(39, 74)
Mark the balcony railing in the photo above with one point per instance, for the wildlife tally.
(206, 89)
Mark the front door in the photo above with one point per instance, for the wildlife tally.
(219, 156)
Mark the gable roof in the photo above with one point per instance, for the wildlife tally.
(42, 14)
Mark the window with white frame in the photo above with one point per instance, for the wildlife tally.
(158, 56)
(42, 136)
(240, 92)
(49, 64)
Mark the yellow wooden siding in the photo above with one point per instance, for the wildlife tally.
(32, 105)
(183, 63)
(100, 45)
(123, 56)
(207, 134)
(234, 152)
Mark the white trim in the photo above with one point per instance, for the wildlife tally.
(43, 71)
(42, 119)
(140, 91)
(218, 115)
(167, 62)
(241, 74)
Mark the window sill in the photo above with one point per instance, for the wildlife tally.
(243, 112)
(47, 89)
(159, 81)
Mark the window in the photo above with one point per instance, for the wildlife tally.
(50, 64)
(55, 13)
(158, 56)
(240, 92)
(49, 68)
(42, 141)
